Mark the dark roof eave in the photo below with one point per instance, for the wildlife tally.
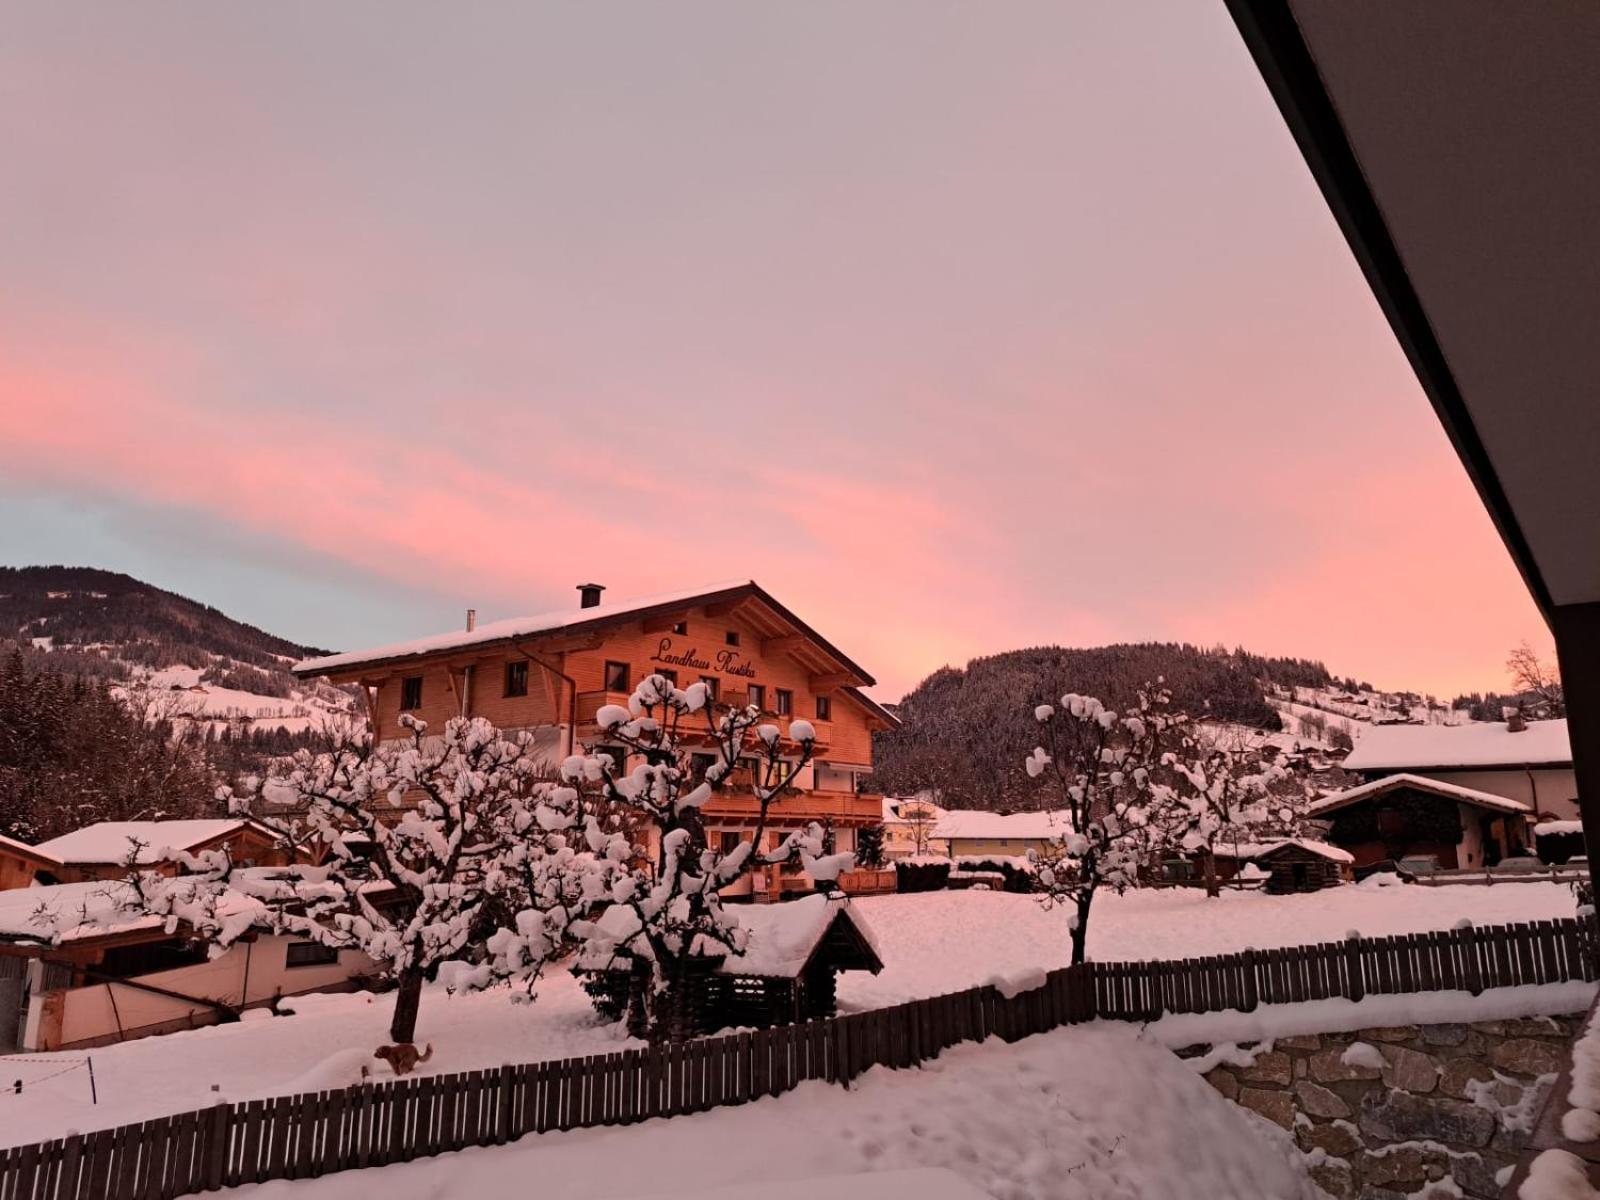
(1289, 69)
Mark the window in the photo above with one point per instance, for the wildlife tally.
(669, 675)
(516, 679)
(728, 841)
(785, 702)
(824, 708)
(617, 677)
(699, 764)
(411, 693)
(618, 756)
(309, 954)
(732, 637)
(713, 686)
(681, 628)
(758, 696)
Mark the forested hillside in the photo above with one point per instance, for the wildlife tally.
(966, 730)
(84, 608)
(120, 700)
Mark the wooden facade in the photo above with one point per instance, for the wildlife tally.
(554, 676)
(1293, 867)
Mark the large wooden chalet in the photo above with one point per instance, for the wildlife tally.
(550, 674)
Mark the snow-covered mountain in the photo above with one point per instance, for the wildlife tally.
(181, 660)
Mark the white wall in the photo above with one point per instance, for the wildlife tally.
(248, 973)
(1552, 792)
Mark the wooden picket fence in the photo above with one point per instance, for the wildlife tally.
(304, 1136)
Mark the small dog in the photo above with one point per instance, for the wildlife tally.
(403, 1058)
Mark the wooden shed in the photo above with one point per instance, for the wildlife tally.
(1299, 865)
(788, 971)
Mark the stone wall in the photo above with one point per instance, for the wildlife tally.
(1382, 1113)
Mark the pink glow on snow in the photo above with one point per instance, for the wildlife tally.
(986, 345)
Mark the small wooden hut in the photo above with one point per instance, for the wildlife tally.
(788, 971)
(1298, 865)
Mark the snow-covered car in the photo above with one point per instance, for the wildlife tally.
(1418, 864)
(1520, 864)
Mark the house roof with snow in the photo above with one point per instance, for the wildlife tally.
(785, 938)
(110, 841)
(1479, 745)
(54, 914)
(31, 853)
(991, 826)
(569, 621)
(1242, 851)
(1420, 783)
(899, 810)
(1321, 849)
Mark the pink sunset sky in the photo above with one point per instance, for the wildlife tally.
(960, 327)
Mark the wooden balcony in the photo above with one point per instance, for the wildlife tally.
(842, 807)
(590, 703)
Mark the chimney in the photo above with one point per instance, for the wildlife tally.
(590, 594)
(472, 619)
(1514, 721)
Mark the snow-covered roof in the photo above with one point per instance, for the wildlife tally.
(1332, 853)
(895, 806)
(1239, 851)
(990, 826)
(110, 841)
(69, 912)
(1552, 828)
(23, 850)
(783, 937)
(1421, 783)
(1446, 747)
(572, 619)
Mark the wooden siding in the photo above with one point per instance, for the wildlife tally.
(549, 700)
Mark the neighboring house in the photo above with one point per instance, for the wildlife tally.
(1403, 816)
(550, 674)
(908, 827)
(975, 834)
(75, 970)
(22, 865)
(1530, 762)
(102, 850)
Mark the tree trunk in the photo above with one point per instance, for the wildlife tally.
(403, 1029)
(1080, 931)
(1208, 864)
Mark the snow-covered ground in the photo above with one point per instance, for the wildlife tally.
(1073, 1115)
(931, 943)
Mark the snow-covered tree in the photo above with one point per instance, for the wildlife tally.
(454, 849)
(1228, 791)
(665, 925)
(1104, 765)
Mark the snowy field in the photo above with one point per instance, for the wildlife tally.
(1075, 1114)
(931, 943)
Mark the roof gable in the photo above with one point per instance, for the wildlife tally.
(578, 620)
(110, 841)
(1420, 783)
(1477, 745)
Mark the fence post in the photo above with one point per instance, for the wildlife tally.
(1252, 993)
(1353, 975)
(215, 1161)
